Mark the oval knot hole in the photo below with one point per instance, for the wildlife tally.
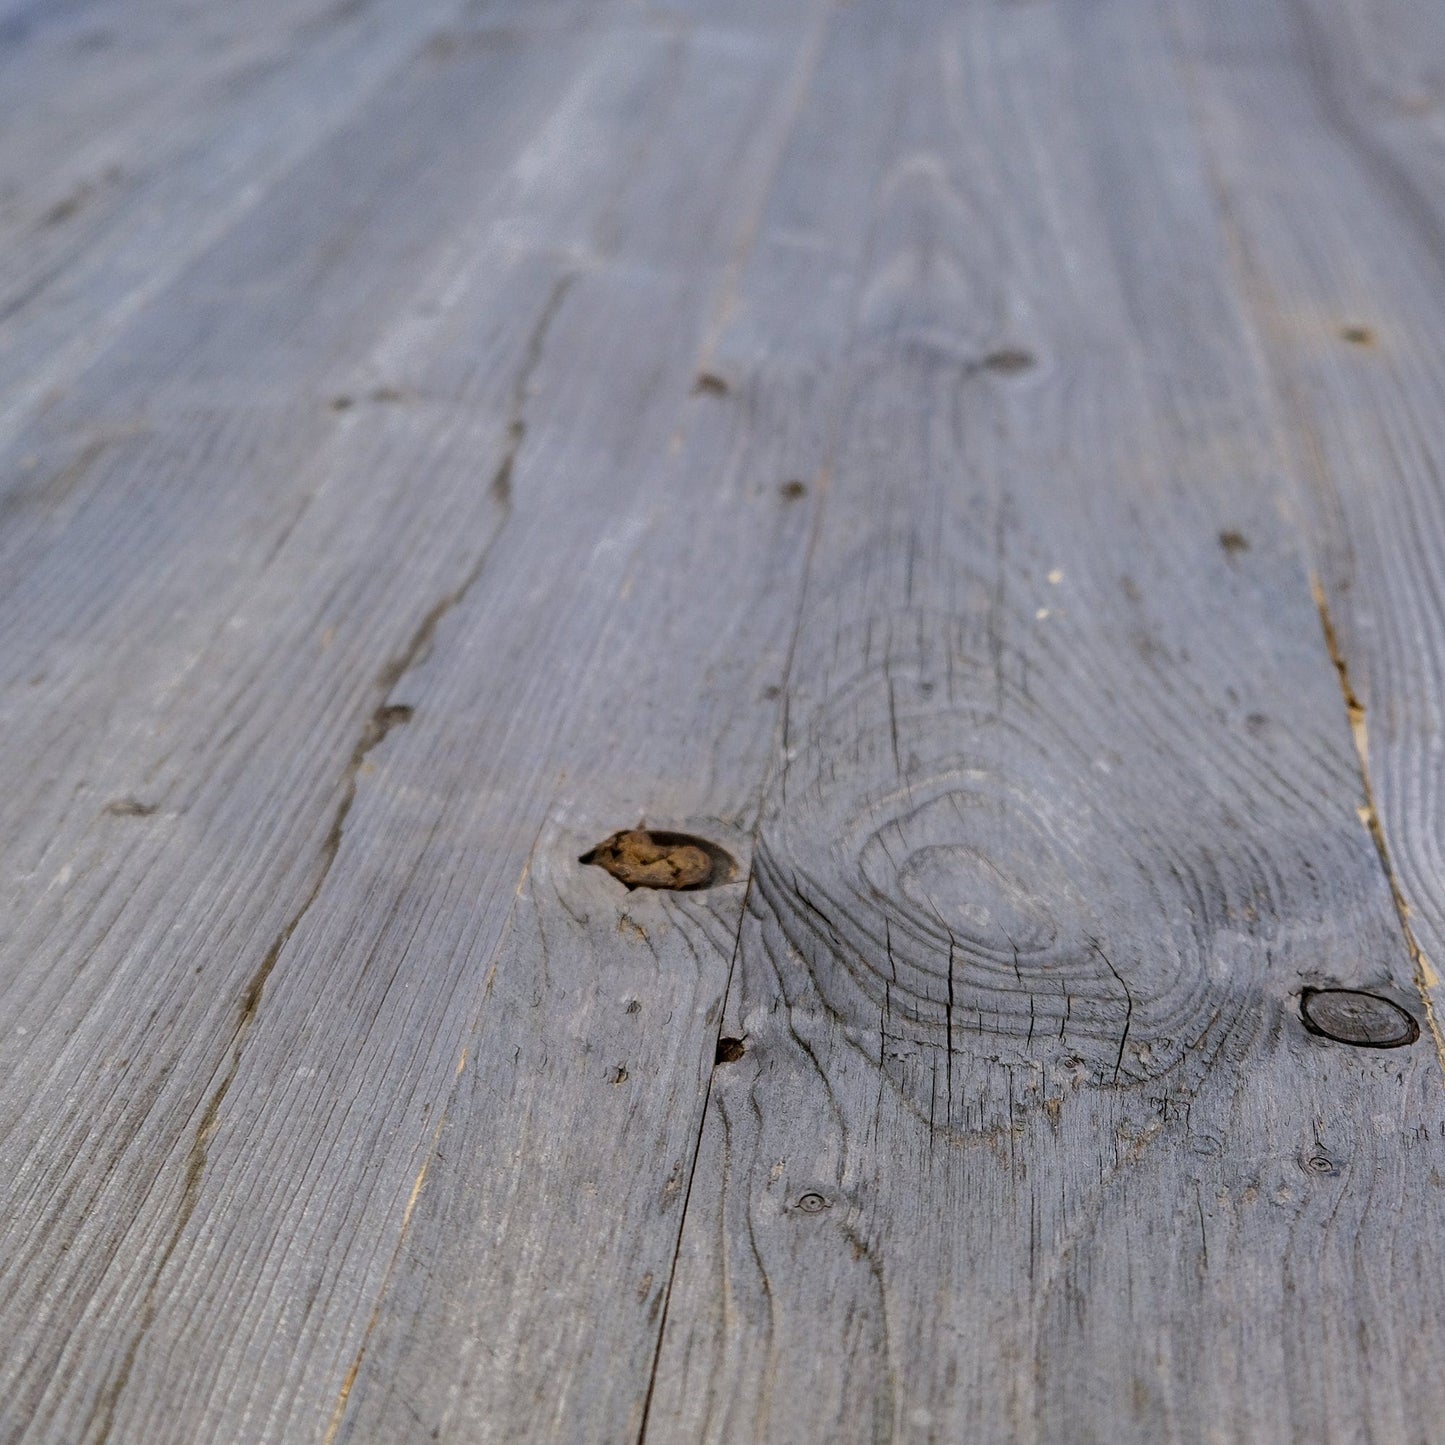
(643, 858)
(1349, 1016)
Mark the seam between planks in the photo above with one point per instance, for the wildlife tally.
(821, 484)
(823, 477)
(806, 71)
(1412, 204)
(1424, 975)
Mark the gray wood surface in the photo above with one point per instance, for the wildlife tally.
(1030, 1142)
(972, 466)
(1338, 227)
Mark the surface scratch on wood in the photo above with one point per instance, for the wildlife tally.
(339, 1412)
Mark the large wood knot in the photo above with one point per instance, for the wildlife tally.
(955, 879)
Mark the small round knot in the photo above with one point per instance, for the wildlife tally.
(1351, 1016)
(812, 1203)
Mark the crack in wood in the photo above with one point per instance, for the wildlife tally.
(416, 653)
(378, 725)
(1424, 975)
(384, 717)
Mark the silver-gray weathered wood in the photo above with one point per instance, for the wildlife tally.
(974, 462)
(1030, 1142)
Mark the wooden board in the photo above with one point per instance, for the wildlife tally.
(967, 464)
(1030, 1141)
(1337, 241)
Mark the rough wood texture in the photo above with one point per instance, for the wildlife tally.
(960, 477)
(1338, 223)
(1030, 1142)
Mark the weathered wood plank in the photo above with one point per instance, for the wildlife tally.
(247, 579)
(247, 1293)
(1029, 1140)
(526, 1302)
(1339, 228)
(149, 500)
(869, 438)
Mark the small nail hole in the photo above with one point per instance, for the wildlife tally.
(1009, 360)
(793, 490)
(711, 384)
(1233, 542)
(130, 808)
(1357, 335)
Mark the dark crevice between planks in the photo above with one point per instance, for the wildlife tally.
(696, 1147)
(385, 716)
(1370, 815)
(728, 1049)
